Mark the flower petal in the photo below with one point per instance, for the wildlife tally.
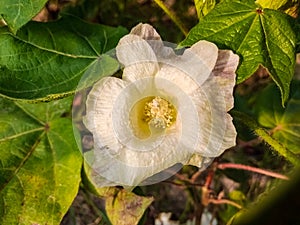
(224, 74)
(137, 56)
(193, 68)
(163, 50)
(220, 133)
(229, 139)
(206, 51)
(145, 31)
(99, 107)
(178, 77)
(199, 60)
(130, 168)
(216, 129)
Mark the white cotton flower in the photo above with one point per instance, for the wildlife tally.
(167, 110)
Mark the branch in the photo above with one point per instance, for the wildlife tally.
(223, 166)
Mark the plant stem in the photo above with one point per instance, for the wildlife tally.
(209, 178)
(225, 201)
(264, 135)
(173, 17)
(223, 166)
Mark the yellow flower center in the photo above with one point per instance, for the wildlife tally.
(152, 113)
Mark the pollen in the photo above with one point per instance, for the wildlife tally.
(152, 112)
(159, 113)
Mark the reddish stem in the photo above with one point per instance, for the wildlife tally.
(223, 166)
(209, 178)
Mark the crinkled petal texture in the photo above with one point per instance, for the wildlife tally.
(198, 83)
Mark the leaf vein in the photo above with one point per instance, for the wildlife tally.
(53, 50)
(21, 134)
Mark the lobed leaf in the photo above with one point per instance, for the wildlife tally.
(290, 7)
(203, 7)
(126, 208)
(16, 13)
(283, 122)
(46, 61)
(39, 162)
(272, 4)
(260, 36)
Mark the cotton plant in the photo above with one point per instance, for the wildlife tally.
(169, 109)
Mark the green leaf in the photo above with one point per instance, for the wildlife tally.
(40, 163)
(290, 7)
(46, 61)
(237, 196)
(284, 123)
(260, 36)
(272, 4)
(265, 136)
(16, 13)
(203, 7)
(126, 208)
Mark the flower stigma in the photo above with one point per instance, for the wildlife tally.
(151, 113)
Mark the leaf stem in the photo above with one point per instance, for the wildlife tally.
(223, 166)
(225, 201)
(264, 135)
(173, 17)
